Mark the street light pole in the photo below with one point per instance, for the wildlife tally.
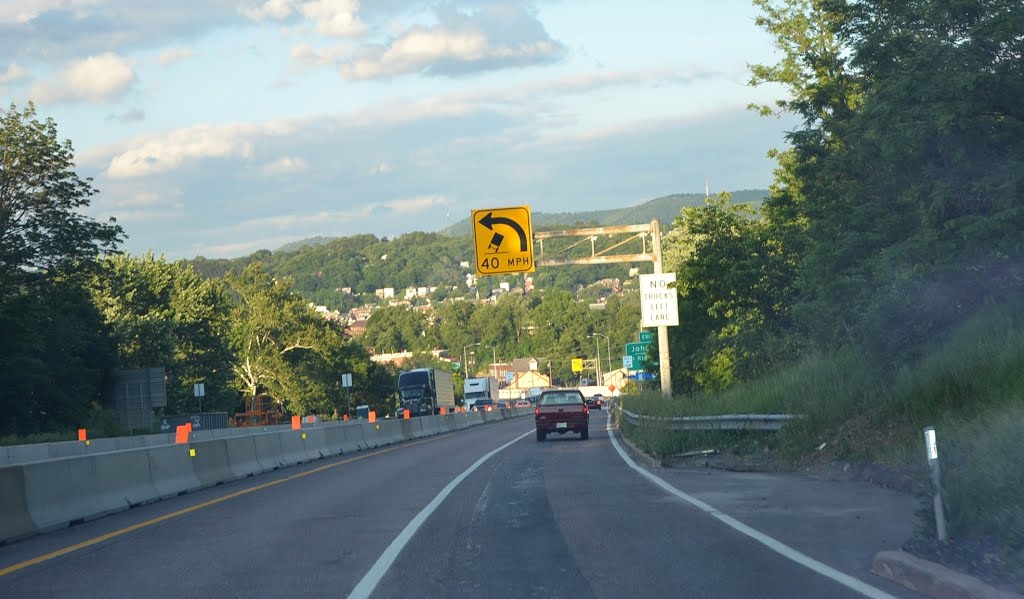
(608, 342)
(465, 358)
(597, 365)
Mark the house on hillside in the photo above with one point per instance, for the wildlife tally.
(357, 329)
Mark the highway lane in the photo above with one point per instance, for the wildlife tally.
(313, 536)
(566, 518)
(562, 518)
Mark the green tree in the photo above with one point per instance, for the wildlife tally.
(54, 350)
(42, 227)
(164, 314)
(284, 348)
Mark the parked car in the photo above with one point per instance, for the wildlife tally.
(562, 411)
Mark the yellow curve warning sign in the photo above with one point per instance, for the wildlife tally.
(503, 240)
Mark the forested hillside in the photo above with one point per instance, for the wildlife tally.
(321, 267)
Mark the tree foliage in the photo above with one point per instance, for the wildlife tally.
(42, 227)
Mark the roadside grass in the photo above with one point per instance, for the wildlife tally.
(970, 386)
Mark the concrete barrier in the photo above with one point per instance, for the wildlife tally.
(268, 451)
(334, 440)
(293, 450)
(242, 456)
(429, 425)
(371, 434)
(445, 423)
(15, 521)
(355, 438)
(390, 431)
(407, 428)
(124, 479)
(172, 471)
(58, 492)
(315, 443)
(210, 462)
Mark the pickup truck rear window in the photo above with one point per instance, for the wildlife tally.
(561, 399)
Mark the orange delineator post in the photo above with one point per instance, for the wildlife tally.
(181, 434)
(82, 434)
(405, 414)
(296, 423)
(373, 416)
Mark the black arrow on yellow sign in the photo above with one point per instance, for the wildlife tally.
(489, 220)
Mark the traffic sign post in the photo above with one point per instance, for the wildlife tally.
(503, 241)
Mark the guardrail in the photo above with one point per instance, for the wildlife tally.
(731, 422)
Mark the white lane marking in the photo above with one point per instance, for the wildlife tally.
(778, 547)
(373, 577)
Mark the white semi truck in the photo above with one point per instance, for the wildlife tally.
(485, 388)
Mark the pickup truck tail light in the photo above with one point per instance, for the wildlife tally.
(586, 410)
(536, 411)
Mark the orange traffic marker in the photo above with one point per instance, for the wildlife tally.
(309, 419)
(181, 434)
(296, 423)
(406, 414)
(188, 425)
(444, 411)
(373, 416)
(345, 418)
(81, 435)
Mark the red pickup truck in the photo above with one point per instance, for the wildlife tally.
(562, 411)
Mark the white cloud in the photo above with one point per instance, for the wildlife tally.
(13, 74)
(336, 18)
(495, 37)
(174, 55)
(95, 79)
(165, 153)
(283, 166)
(306, 54)
(417, 204)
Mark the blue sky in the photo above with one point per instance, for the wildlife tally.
(219, 127)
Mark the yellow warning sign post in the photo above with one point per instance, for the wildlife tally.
(503, 240)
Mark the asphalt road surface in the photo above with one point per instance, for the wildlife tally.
(486, 512)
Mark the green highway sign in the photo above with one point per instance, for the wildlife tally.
(637, 350)
(646, 337)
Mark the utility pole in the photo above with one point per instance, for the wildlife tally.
(664, 369)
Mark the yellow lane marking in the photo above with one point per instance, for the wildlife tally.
(110, 535)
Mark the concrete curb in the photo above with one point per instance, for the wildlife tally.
(933, 579)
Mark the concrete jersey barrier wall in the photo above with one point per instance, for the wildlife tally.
(50, 493)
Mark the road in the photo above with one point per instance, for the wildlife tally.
(563, 518)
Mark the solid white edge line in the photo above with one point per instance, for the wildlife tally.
(377, 571)
(777, 546)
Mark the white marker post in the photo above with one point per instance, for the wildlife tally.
(932, 449)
